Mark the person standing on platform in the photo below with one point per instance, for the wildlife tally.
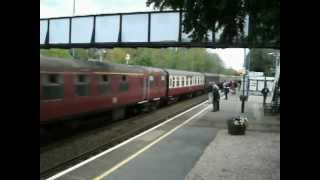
(265, 92)
(210, 92)
(232, 87)
(215, 98)
(226, 90)
(235, 86)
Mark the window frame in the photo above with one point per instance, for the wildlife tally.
(45, 83)
(104, 84)
(124, 83)
(86, 83)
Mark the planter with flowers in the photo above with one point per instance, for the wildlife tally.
(237, 125)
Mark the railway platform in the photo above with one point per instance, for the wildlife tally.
(193, 145)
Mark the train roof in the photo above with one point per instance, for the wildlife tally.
(48, 63)
(211, 74)
(150, 69)
(181, 72)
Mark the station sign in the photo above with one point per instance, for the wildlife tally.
(254, 74)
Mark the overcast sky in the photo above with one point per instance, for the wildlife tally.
(57, 8)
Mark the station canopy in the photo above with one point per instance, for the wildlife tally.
(138, 29)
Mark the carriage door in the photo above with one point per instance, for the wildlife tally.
(145, 87)
(148, 86)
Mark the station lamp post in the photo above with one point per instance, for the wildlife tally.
(244, 96)
(127, 58)
(101, 52)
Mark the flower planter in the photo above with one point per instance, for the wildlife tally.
(235, 127)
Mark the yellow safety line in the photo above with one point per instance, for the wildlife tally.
(145, 148)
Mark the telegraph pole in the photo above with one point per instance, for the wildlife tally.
(73, 14)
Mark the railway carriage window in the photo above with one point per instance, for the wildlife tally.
(124, 85)
(186, 81)
(173, 82)
(53, 78)
(105, 78)
(124, 78)
(151, 81)
(182, 81)
(82, 85)
(104, 84)
(162, 78)
(52, 86)
(178, 81)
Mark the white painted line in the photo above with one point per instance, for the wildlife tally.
(141, 102)
(147, 147)
(120, 145)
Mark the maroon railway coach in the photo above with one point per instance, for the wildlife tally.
(184, 83)
(69, 88)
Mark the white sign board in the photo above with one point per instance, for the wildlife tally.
(253, 74)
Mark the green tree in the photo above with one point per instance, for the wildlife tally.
(82, 54)
(143, 58)
(58, 53)
(194, 59)
(229, 16)
(262, 60)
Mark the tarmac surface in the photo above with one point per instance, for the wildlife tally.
(196, 146)
(255, 156)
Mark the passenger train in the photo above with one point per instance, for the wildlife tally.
(75, 88)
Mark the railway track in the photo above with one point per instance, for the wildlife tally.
(70, 151)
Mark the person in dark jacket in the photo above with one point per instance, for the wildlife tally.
(226, 90)
(265, 92)
(215, 98)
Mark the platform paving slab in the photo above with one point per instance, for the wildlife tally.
(254, 156)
